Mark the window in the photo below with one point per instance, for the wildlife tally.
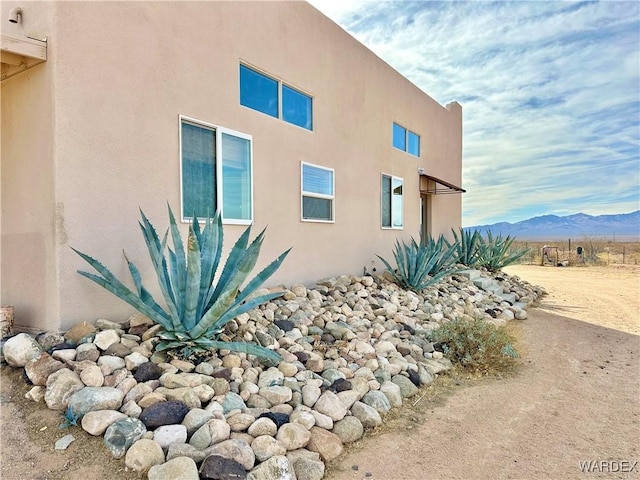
(317, 193)
(406, 140)
(392, 201)
(271, 96)
(216, 172)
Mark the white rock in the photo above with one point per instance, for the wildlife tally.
(265, 447)
(65, 354)
(143, 455)
(329, 404)
(106, 338)
(97, 421)
(92, 376)
(20, 349)
(293, 436)
(183, 468)
(167, 434)
(134, 360)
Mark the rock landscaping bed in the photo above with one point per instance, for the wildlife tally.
(353, 348)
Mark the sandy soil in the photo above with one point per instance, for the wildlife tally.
(575, 398)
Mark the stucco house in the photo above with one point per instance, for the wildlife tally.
(266, 110)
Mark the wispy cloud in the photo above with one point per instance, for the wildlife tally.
(550, 94)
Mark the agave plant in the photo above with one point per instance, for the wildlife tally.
(469, 247)
(197, 307)
(69, 418)
(420, 265)
(497, 252)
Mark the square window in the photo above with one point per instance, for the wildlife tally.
(216, 172)
(392, 201)
(317, 193)
(259, 92)
(399, 137)
(413, 144)
(296, 107)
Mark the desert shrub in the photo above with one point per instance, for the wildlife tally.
(477, 345)
(419, 265)
(197, 306)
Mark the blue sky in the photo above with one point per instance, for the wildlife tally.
(550, 94)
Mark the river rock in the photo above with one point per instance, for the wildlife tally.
(182, 468)
(97, 421)
(61, 385)
(19, 350)
(38, 369)
(216, 467)
(143, 455)
(95, 398)
(275, 468)
(164, 413)
(121, 434)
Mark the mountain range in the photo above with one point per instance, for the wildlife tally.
(621, 227)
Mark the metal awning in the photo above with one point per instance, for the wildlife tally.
(435, 186)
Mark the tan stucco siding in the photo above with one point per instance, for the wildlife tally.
(125, 71)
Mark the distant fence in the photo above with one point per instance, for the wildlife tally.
(583, 251)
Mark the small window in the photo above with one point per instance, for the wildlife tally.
(296, 107)
(265, 94)
(392, 202)
(259, 92)
(413, 144)
(406, 140)
(216, 172)
(399, 137)
(317, 193)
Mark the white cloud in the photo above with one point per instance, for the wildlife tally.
(550, 95)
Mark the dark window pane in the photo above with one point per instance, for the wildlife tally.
(386, 201)
(399, 137)
(198, 171)
(317, 208)
(414, 144)
(258, 91)
(296, 108)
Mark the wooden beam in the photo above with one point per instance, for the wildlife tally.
(24, 46)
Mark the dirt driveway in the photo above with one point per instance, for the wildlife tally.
(575, 399)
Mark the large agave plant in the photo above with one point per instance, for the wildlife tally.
(197, 307)
(469, 247)
(497, 252)
(420, 265)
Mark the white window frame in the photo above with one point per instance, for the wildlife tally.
(218, 159)
(303, 194)
(392, 177)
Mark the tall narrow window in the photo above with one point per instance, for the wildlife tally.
(317, 193)
(216, 172)
(392, 200)
(273, 97)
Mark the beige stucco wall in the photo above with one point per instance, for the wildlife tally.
(28, 245)
(122, 72)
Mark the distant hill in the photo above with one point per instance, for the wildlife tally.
(624, 227)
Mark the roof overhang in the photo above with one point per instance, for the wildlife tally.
(18, 53)
(435, 186)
